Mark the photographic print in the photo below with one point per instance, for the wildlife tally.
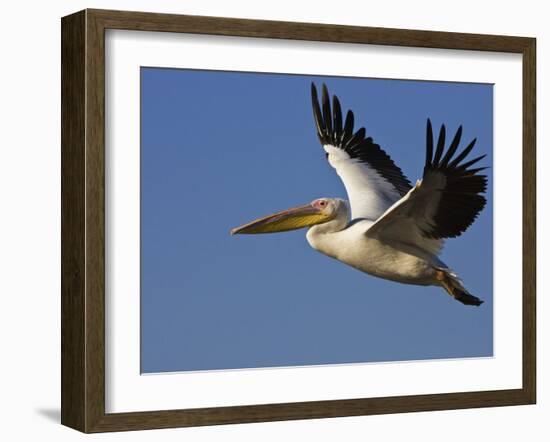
(386, 252)
(266, 220)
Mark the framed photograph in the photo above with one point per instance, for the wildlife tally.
(267, 221)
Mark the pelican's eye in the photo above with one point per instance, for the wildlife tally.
(321, 204)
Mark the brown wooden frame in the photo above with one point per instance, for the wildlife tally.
(83, 217)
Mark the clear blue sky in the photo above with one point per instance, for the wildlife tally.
(219, 149)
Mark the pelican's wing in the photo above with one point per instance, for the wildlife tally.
(443, 204)
(372, 180)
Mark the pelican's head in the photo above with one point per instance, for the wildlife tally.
(319, 211)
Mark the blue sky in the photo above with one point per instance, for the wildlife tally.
(219, 149)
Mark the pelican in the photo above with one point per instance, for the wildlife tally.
(388, 228)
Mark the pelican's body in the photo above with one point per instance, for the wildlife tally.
(388, 228)
(374, 257)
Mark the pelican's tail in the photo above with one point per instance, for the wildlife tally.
(453, 285)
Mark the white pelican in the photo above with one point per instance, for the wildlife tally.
(389, 228)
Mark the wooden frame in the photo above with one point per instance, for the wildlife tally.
(83, 216)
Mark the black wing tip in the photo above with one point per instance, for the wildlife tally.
(325, 95)
(463, 195)
(449, 161)
(317, 114)
(314, 87)
(429, 143)
(328, 118)
(314, 92)
(332, 130)
(324, 88)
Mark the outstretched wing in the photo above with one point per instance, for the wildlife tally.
(372, 180)
(443, 204)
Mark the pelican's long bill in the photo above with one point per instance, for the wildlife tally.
(290, 219)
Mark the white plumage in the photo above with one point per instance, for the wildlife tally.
(369, 194)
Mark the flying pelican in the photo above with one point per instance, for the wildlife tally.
(388, 229)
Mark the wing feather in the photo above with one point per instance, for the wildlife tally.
(442, 205)
(440, 145)
(371, 178)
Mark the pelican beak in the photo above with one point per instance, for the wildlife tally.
(290, 219)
